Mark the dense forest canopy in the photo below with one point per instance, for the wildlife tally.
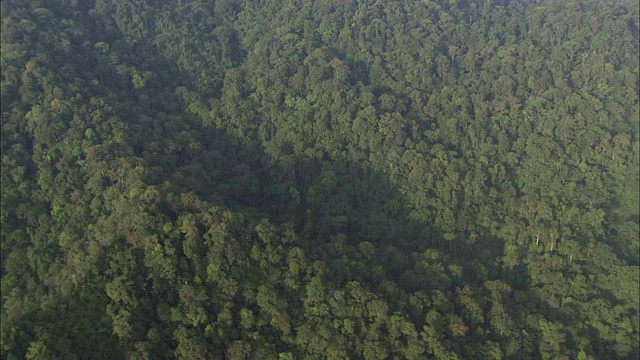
(320, 179)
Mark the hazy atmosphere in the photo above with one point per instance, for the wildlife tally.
(328, 179)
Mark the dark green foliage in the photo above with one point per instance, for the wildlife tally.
(320, 179)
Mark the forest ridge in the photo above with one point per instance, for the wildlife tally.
(328, 179)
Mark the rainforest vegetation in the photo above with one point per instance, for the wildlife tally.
(320, 179)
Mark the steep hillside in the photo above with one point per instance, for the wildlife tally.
(330, 179)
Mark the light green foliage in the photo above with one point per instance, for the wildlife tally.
(319, 179)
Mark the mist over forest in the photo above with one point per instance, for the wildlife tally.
(320, 179)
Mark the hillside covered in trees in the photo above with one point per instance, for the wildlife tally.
(320, 179)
